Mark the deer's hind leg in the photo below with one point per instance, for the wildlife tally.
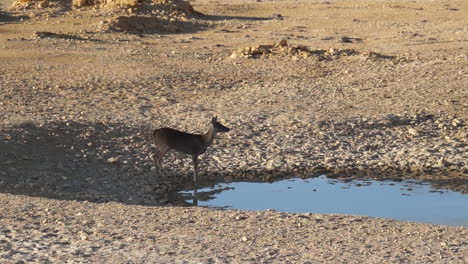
(157, 158)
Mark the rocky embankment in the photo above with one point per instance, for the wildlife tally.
(423, 146)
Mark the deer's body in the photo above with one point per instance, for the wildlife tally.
(191, 144)
(167, 139)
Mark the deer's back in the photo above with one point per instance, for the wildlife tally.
(179, 141)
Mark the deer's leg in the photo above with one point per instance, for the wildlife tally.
(195, 178)
(157, 157)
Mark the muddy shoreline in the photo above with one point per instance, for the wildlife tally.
(84, 232)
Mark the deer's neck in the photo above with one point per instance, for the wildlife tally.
(209, 136)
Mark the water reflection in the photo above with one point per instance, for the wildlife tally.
(406, 200)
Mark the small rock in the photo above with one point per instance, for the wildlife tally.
(43, 4)
(113, 159)
(345, 39)
(443, 163)
(412, 131)
(270, 164)
(456, 122)
(277, 16)
(283, 43)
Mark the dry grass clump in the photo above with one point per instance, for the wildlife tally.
(129, 16)
(34, 4)
(153, 16)
(105, 3)
(154, 7)
(295, 52)
(282, 48)
(180, 5)
(157, 7)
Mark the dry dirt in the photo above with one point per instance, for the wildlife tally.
(353, 89)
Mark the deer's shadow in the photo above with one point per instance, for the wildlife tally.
(77, 161)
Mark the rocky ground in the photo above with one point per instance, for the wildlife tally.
(39, 230)
(361, 89)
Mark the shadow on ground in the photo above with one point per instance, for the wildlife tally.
(103, 162)
(78, 161)
(6, 18)
(242, 18)
(155, 25)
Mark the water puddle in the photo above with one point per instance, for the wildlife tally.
(406, 200)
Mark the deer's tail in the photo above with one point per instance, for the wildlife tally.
(154, 137)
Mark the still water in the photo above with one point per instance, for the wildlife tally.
(407, 200)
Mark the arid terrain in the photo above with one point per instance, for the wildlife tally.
(351, 89)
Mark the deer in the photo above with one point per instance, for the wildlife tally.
(166, 139)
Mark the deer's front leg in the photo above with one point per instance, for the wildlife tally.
(195, 177)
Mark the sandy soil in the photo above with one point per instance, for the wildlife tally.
(361, 89)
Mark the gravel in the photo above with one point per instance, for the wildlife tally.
(78, 106)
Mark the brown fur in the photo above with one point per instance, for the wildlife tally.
(166, 139)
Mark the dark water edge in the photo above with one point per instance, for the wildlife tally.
(408, 200)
